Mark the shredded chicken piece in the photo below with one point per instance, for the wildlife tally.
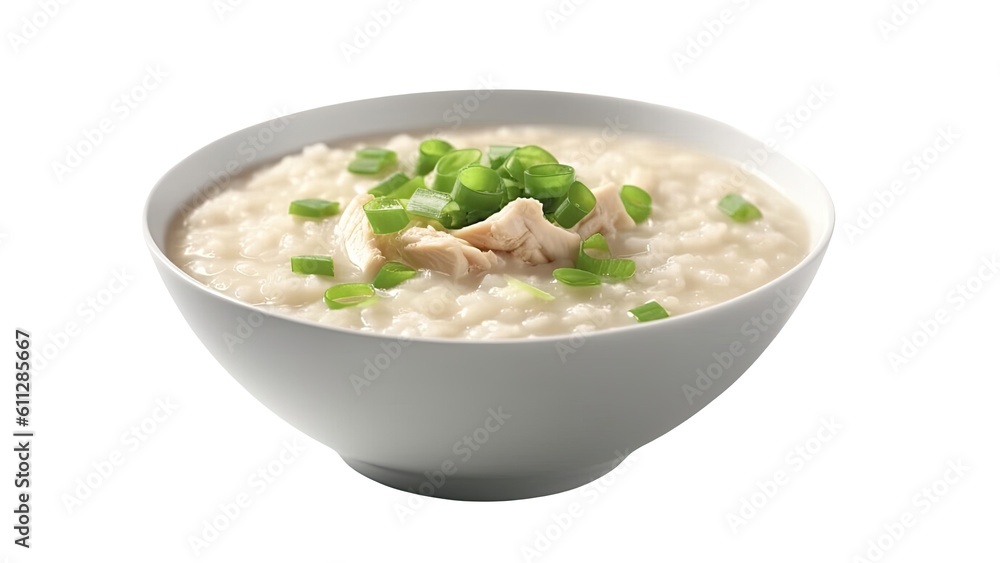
(364, 248)
(522, 230)
(608, 216)
(424, 247)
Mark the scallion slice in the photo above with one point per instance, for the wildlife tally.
(313, 264)
(575, 205)
(513, 189)
(431, 151)
(651, 311)
(346, 295)
(446, 170)
(478, 188)
(453, 217)
(498, 154)
(547, 181)
(523, 286)
(392, 274)
(371, 160)
(549, 205)
(523, 158)
(406, 190)
(638, 203)
(596, 241)
(739, 209)
(387, 186)
(366, 165)
(618, 268)
(575, 277)
(386, 215)
(376, 152)
(315, 208)
(428, 203)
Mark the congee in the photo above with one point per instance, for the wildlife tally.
(511, 232)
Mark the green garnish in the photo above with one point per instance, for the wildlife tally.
(549, 206)
(406, 190)
(638, 203)
(392, 274)
(513, 190)
(387, 186)
(366, 166)
(431, 204)
(346, 295)
(498, 154)
(547, 181)
(386, 215)
(651, 311)
(469, 192)
(523, 158)
(431, 151)
(604, 265)
(479, 193)
(739, 209)
(575, 205)
(446, 170)
(596, 241)
(371, 160)
(315, 208)
(313, 264)
(575, 277)
(534, 291)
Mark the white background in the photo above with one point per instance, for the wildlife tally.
(64, 236)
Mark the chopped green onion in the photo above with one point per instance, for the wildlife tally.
(385, 187)
(371, 160)
(638, 203)
(346, 295)
(429, 203)
(478, 188)
(739, 209)
(386, 215)
(575, 277)
(596, 241)
(313, 264)
(523, 158)
(534, 291)
(406, 190)
(651, 311)
(314, 207)
(450, 164)
(431, 151)
(618, 268)
(575, 205)
(478, 193)
(513, 189)
(455, 218)
(550, 205)
(498, 154)
(546, 181)
(461, 218)
(392, 274)
(376, 152)
(366, 165)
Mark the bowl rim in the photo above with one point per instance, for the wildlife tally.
(815, 253)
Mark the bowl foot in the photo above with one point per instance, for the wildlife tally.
(457, 487)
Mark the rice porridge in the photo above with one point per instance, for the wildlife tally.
(493, 278)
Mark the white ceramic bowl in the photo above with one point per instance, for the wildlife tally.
(484, 420)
